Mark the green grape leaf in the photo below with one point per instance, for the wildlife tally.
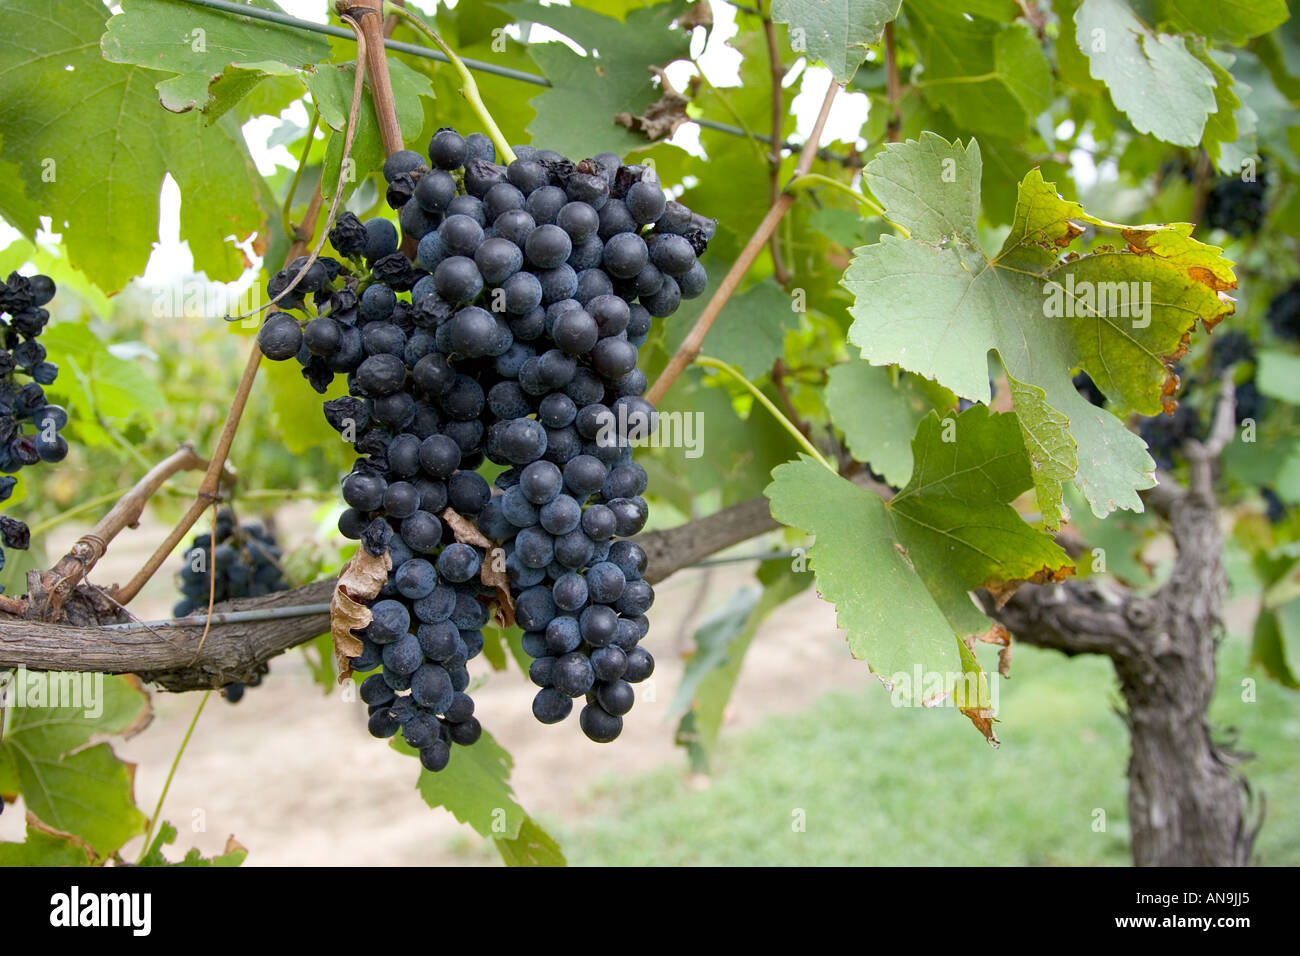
(1154, 79)
(990, 76)
(879, 417)
(46, 846)
(97, 385)
(835, 33)
(331, 90)
(1052, 450)
(234, 854)
(1275, 644)
(16, 208)
(713, 667)
(217, 59)
(474, 787)
(532, 847)
(1229, 132)
(899, 572)
(1228, 21)
(750, 331)
(936, 304)
(78, 789)
(92, 146)
(1277, 375)
(576, 115)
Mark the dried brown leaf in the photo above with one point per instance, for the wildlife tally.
(359, 580)
(662, 117)
(983, 720)
(233, 846)
(467, 532)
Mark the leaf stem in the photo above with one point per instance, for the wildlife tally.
(286, 218)
(707, 362)
(817, 179)
(153, 821)
(468, 88)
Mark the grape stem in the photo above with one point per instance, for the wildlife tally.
(705, 362)
(286, 220)
(366, 18)
(468, 87)
(171, 772)
(694, 340)
(817, 179)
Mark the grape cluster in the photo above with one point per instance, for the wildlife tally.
(531, 288)
(1284, 313)
(244, 563)
(29, 425)
(1165, 434)
(1237, 206)
(1086, 387)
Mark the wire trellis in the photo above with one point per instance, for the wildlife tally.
(479, 66)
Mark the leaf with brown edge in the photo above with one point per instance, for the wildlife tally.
(466, 532)
(1000, 636)
(361, 579)
(983, 720)
(47, 846)
(972, 695)
(1122, 313)
(233, 846)
(1002, 590)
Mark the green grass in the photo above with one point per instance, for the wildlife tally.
(885, 786)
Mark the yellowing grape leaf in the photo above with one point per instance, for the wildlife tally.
(937, 304)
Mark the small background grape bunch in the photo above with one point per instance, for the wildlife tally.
(246, 562)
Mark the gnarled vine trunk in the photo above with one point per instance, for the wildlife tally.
(1187, 805)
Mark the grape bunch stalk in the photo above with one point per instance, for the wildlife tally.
(506, 331)
(29, 424)
(244, 563)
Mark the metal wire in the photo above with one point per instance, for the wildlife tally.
(309, 610)
(228, 617)
(479, 66)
